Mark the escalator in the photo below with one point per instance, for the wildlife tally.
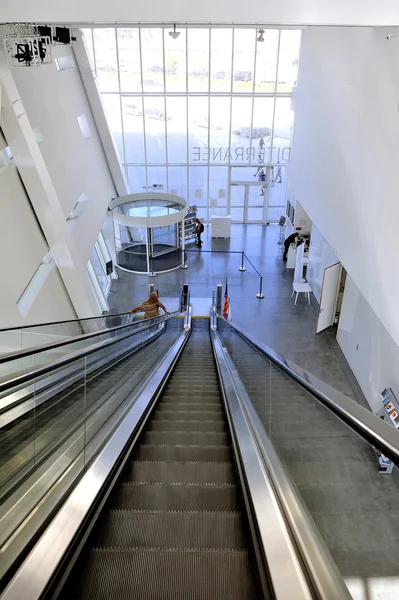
(217, 460)
(30, 439)
(174, 526)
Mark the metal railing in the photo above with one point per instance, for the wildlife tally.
(241, 268)
(366, 424)
(20, 379)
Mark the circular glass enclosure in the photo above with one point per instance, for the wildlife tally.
(149, 232)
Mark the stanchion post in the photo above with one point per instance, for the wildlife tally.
(183, 246)
(242, 268)
(260, 295)
(219, 293)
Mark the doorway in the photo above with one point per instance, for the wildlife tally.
(255, 196)
(248, 202)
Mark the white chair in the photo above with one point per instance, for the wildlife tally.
(301, 288)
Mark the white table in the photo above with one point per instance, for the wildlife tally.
(301, 288)
(221, 226)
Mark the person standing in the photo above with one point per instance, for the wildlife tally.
(290, 240)
(199, 228)
(150, 307)
(278, 175)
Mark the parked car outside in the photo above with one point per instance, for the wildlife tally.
(243, 76)
(205, 123)
(221, 75)
(257, 132)
(133, 109)
(155, 113)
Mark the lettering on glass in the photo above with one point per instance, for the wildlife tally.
(240, 154)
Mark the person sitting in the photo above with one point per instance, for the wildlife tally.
(150, 307)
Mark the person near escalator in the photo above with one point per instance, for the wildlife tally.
(199, 228)
(150, 307)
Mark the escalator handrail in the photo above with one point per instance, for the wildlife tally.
(4, 358)
(39, 567)
(320, 568)
(18, 327)
(365, 423)
(21, 379)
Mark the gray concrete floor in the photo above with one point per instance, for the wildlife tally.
(288, 329)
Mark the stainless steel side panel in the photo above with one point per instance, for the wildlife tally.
(285, 569)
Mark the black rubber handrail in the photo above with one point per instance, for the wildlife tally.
(365, 423)
(21, 379)
(78, 338)
(16, 328)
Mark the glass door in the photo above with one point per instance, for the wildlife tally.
(277, 188)
(256, 203)
(248, 202)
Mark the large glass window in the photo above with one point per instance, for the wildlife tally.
(198, 60)
(244, 60)
(152, 59)
(221, 49)
(106, 61)
(185, 112)
(175, 63)
(133, 128)
(129, 60)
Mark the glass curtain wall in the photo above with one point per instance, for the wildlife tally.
(183, 112)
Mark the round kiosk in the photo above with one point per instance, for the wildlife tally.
(149, 232)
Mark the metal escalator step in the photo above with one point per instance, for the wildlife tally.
(183, 453)
(170, 395)
(176, 496)
(189, 385)
(179, 376)
(170, 405)
(185, 437)
(172, 529)
(164, 413)
(135, 574)
(186, 425)
(199, 390)
(181, 472)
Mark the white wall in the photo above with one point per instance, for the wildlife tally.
(345, 155)
(368, 347)
(23, 247)
(344, 12)
(302, 219)
(53, 101)
(320, 257)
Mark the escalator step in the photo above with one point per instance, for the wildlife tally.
(172, 529)
(176, 496)
(134, 574)
(170, 405)
(181, 472)
(174, 396)
(183, 453)
(189, 388)
(185, 437)
(164, 413)
(186, 425)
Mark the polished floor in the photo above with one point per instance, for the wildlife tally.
(275, 320)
